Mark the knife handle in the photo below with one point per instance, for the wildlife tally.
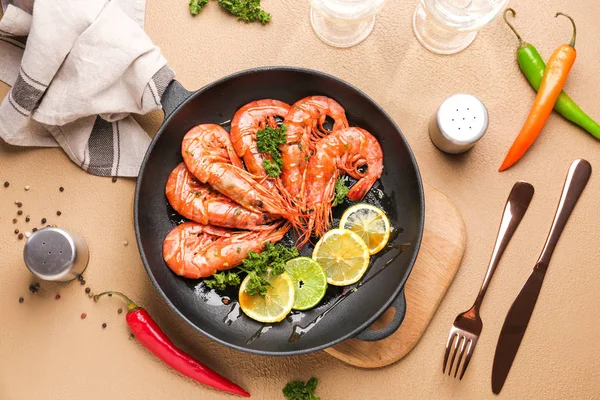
(514, 210)
(577, 178)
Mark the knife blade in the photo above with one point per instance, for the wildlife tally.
(520, 312)
(514, 328)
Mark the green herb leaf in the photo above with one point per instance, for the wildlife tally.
(257, 285)
(268, 141)
(246, 10)
(221, 280)
(272, 260)
(197, 5)
(341, 191)
(257, 266)
(297, 390)
(273, 169)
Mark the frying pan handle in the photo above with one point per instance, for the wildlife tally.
(174, 95)
(369, 335)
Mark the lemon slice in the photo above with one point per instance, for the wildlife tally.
(310, 281)
(343, 255)
(368, 222)
(276, 304)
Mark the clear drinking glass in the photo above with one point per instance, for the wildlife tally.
(449, 26)
(344, 23)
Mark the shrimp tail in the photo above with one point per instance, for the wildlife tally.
(360, 188)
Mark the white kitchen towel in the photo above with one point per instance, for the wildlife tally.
(78, 70)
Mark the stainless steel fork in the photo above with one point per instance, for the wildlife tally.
(467, 326)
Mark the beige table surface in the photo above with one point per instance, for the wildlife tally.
(48, 352)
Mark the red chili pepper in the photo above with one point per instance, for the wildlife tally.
(154, 339)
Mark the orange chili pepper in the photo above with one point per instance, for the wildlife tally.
(555, 75)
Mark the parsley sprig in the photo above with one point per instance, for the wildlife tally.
(271, 261)
(341, 191)
(246, 10)
(197, 5)
(268, 141)
(298, 390)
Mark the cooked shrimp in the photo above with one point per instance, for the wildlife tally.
(201, 203)
(304, 127)
(246, 122)
(208, 154)
(195, 251)
(351, 150)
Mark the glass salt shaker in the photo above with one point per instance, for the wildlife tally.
(344, 23)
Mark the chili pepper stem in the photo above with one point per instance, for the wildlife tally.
(130, 304)
(522, 43)
(572, 42)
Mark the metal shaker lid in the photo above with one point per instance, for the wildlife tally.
(56, 255)
(460, 121)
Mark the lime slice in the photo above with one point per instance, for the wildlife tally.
(343, 255)
(368, 222)
(310, 282)
(276, 304)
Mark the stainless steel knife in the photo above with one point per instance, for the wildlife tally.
(520, 312)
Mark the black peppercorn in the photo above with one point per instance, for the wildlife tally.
(27, 219)
(62, 189)
(20, 236)
(58, 213)
(43, 220)
(20, 212)
(104, 325)
(6, 184)
(34, 229)
(34, 287)
(21, 299)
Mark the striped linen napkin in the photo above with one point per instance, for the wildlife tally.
(78, 70)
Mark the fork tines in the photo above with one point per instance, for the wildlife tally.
(466, 341)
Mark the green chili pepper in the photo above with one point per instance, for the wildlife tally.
(533, 66)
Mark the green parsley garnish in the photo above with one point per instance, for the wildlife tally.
(246, 10)
(256, 265)
(273, 169)
(341, 191)
(197, 5)
(223, 279)
(268, 141)
(297, 390)
(272, 260)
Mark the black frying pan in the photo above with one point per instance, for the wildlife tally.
(399, 192)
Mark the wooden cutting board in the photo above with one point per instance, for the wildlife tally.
(440, 255)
